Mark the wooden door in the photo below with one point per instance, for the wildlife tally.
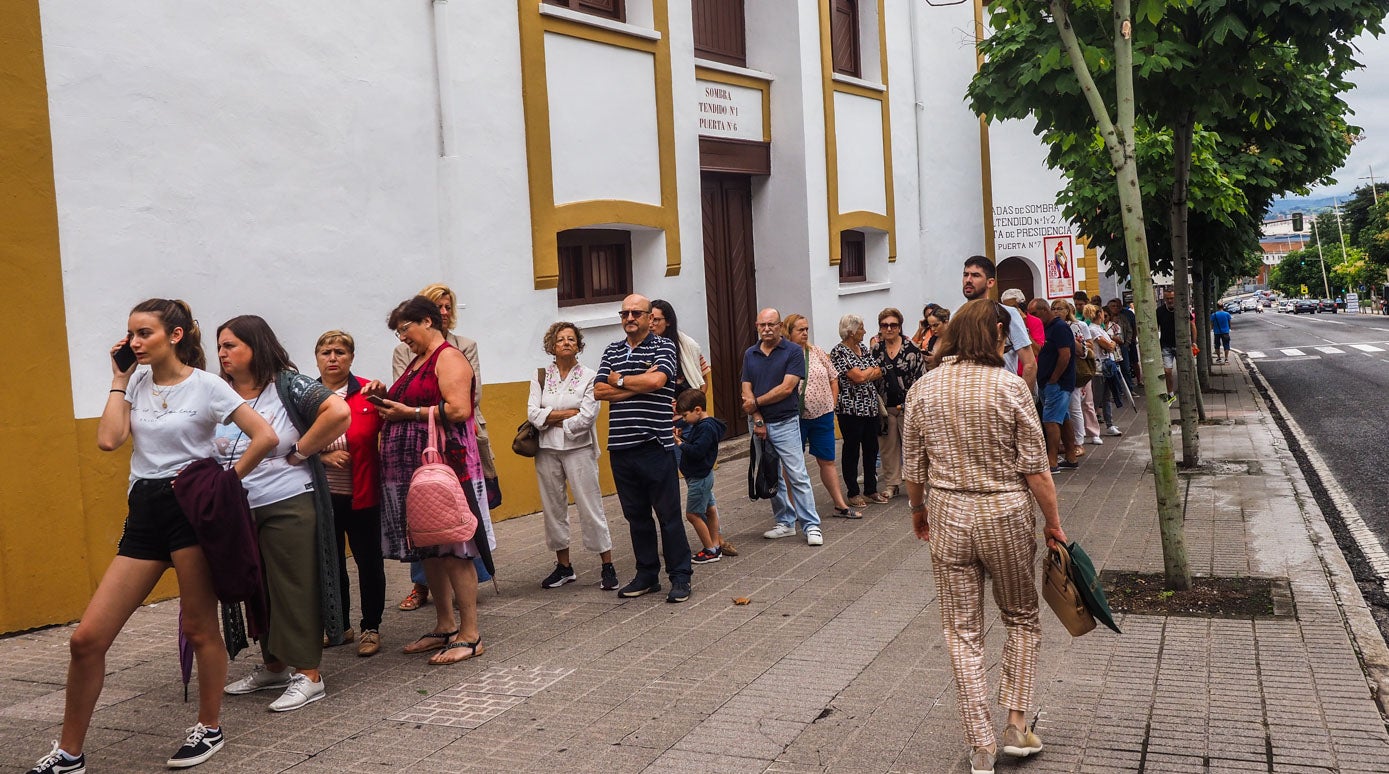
(731, 287)
(1014, 272)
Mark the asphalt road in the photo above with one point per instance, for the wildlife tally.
(1331, 372)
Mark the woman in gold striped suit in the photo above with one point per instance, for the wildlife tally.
(972, 433)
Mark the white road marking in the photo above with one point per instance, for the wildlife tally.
(1364, 537)
(1291, 352)
(1256, 354)
(1331, 350)
(1367, 348)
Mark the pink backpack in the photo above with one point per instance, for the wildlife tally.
(436, 510)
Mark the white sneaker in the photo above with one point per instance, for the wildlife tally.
(1095, 440)
(260, 679)
(780, 531)
(813, 537)
(301, 691)
(1113, 430)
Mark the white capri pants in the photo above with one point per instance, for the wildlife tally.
(580, 468)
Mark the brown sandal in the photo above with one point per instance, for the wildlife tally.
(417, 597)
(438, 658)
(430, 640)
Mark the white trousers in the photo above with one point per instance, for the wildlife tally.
(579, 467)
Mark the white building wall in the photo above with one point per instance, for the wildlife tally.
(951, 192)
(279, 161)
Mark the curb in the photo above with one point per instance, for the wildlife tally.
(1364, 632)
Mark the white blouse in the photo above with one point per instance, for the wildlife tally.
(575, 391)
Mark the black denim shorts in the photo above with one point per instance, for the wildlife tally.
(156, 526)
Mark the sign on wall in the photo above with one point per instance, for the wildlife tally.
(728, 111)
(1060, 259)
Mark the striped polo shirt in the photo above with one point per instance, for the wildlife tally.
(648, 416)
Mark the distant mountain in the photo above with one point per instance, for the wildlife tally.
(1282, 208)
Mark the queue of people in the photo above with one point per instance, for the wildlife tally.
(982, 406)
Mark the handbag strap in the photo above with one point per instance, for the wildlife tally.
(431, 455)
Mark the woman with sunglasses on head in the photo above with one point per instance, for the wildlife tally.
(292, 506)
(438, 379)
(972, 434)
(169, 411)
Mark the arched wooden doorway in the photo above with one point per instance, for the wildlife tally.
(1016, 272)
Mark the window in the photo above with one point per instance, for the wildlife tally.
(609, 9)
(595, 265)
(844, 37)
(720, 32)
(853, 257)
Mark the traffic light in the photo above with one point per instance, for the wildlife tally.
(1297, 221)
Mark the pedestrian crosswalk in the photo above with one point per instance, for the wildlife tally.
(1308, 352)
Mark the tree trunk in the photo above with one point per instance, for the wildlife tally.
(1201, 302)
(1120, 144)
(1187, 392)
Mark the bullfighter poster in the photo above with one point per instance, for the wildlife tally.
(1059, 257)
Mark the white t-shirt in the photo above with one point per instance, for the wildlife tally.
(166, 440)
(1099, 333)
(274, 479)
(1018, 337)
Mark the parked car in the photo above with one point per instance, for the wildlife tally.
(1326, 305)
(1286, 305)
(1233, 307)
(1305, 305)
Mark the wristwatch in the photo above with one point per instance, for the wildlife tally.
(758, 423)
(294, 452)
(620, 380)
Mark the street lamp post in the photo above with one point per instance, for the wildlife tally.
(1325, 285)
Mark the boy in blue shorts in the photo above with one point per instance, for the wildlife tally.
(699, 448)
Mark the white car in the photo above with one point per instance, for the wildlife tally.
(1249, 305)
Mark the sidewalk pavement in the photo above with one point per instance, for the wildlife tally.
(837, 665)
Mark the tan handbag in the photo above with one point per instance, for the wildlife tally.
(1061, 593)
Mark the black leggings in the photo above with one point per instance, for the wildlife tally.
(860, 435)
(363, 528)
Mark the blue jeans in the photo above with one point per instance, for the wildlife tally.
(785, 437)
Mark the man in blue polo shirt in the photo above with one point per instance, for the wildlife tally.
(636, 378)
(1056, 378)
(772, 372)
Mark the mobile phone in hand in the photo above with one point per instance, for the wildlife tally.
(124, 357)
(376, 400)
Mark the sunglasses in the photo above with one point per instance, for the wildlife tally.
(632, 314)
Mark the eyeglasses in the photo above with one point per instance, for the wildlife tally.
(400, 331)
(769, 325)
(633, 314)
(890, 326)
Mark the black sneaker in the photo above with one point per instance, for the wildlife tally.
(638, 587)
(609, 581)
(202, 742)
(679, 591)
(559, 577)
(706, 556)
(57, 762)
(1065, 465)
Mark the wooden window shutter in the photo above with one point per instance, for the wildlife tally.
(844, 37)
(853, 257)
(609, 9)
(720, 31)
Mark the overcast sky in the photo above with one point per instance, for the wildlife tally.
(1370, 101)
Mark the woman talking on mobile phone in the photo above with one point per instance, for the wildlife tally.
(170, 412)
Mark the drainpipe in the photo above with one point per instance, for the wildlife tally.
(447, 143)
(920, 115)
(986, 173)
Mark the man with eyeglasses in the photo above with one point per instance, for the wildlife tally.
(637, 377)
(979, 278)
(773, 370)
